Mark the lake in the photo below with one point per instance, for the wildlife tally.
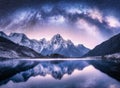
(59, 73)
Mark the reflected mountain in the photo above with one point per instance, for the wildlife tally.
(27, 68)
(9, 68)
(22, 71)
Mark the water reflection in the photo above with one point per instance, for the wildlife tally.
(59, 74)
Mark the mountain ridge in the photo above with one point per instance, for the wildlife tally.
(8, 49)
(109, 46)
(57, 45)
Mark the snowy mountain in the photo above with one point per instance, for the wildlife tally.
(57, 45)
(23, 40)
(8, 49)
(108, 47)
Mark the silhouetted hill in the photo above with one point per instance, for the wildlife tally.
(110, 46)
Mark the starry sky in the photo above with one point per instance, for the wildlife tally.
(87, 22)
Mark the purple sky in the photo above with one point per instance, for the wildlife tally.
(83, 22)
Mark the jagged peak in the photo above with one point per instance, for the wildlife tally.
(70, 42)
(57, 37)
(80, 45)
(43, 41)
(18, 35)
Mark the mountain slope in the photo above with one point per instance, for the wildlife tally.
(2, 34)
(110, 46)
(8, 49)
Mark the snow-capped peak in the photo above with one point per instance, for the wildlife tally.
(80, 45)
(17, 37)
(57, 39)
(69, 42)
(43, 40)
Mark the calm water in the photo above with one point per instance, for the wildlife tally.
(85, 73)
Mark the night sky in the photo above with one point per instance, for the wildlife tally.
(87, 22)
